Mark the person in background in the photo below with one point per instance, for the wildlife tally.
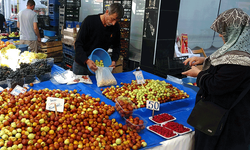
(98, 31)
(224, 75)
(2, 21)
(27, 23)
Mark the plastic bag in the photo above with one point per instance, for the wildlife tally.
(174, 79)
(81, 79)
(104, 77)
(179, 54)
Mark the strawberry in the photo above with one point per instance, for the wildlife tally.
(162, 131)
(176, 127)
(162, 117)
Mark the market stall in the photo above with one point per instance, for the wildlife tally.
(179, 108)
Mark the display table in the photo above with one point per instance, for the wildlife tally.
(179, 108)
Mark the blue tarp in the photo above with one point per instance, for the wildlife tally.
(179, 108)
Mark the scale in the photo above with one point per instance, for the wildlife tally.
(50, 38)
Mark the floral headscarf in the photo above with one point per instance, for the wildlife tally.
(234, 25)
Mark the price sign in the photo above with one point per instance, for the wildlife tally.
(17, 90)
(153, 105)
(51, 101)
(139, 77)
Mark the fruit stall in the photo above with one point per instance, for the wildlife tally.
(94, 117)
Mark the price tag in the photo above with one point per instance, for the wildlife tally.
(51, 101)
(153, 105)
(17, 90)
(139, 77)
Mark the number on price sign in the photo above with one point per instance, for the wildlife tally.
(153, 105)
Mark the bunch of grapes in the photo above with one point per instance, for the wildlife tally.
(41, 67)
(4, 72)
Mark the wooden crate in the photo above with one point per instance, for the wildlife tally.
(51, 47)
(50, 44)
(58, 59)
(119, 64)
(55, 54)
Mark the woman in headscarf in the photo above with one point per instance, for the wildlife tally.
(225, 74)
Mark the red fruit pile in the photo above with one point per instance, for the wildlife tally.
(162, 118)
(176, 127)
(83, 124)
(135, 124)
(124, 106)
(162, 131)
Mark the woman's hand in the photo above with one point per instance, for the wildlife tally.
(194, 61)
(91, 65)
(112, 64)
(193, 72)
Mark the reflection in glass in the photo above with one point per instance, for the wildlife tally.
(151, 4)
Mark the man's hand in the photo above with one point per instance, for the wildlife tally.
(91, 65)
(112, 64)
(39, 39)
(194, 61)
(193, 72)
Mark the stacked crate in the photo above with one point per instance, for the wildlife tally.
(53, 49)
(54, 14)
(43, 23)
(69, 13)
(68, 40)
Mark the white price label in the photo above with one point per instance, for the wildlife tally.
(139, 77)
(17, 90)
(153, 105)
(51, 101)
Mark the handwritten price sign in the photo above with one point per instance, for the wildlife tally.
(17, 90)
(153, 105)
(139, 77)
(51, 101)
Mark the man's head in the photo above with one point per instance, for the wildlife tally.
(31, 4)
(113, 14)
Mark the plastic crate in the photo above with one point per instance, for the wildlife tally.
(49, 33)
(70, 3)
(45, 77)
(70, 13)
(54, 22)
(54, 2)
(12, 83)
(53, 8)
(170, 66)
(43, 21)
(53, 16)
(50, 61)
(67, 66)
(29, 79)
(68, 49)
(68, 60)
(4, 84)
(70, 24)
(22, 47)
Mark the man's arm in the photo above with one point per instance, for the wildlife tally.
(81, 40)
(116, 44)
(37, 31)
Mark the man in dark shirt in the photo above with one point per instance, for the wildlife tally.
(98, 31)
(2, 21)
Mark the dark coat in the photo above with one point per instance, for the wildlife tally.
(222, 85)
